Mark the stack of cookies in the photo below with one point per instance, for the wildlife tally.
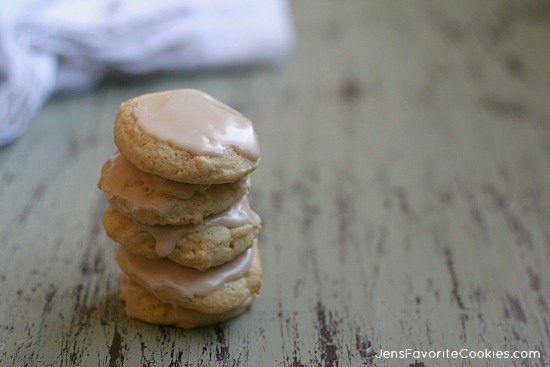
(177, 188)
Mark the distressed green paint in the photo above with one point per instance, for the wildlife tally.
(404, 188)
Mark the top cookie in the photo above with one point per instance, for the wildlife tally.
(188, 136)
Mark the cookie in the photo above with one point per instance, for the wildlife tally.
(151, 199)
(187, 136)
(145, 307)
(219, 239)
(168, 288)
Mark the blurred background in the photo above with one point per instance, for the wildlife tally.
(66, 46)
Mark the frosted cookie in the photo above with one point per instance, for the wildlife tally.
(145, 307)
(217, 290)
(217, 240)
(188, 136)
(151, 199)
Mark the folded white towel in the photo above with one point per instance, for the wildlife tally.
(52, 45)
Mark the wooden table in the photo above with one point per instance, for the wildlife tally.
(404, 189)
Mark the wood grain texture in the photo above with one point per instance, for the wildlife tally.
(404, 188)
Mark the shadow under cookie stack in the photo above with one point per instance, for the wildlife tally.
(178, 209)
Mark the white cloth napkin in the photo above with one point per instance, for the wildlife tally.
(52, 45)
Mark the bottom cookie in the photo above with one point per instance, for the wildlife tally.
(145, 307)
